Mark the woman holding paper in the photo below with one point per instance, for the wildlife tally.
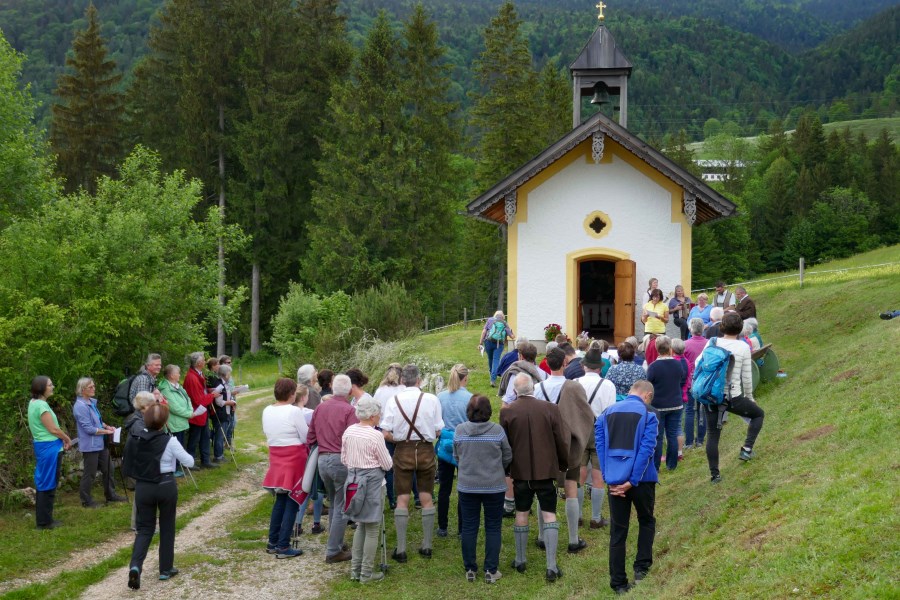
(285, 427)
(49, 443)
(654, 317)
(92, 432)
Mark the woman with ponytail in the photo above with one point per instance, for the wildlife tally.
(454, 401)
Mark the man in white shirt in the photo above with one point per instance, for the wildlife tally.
(412, 420)
(601, 394)
(550, 387)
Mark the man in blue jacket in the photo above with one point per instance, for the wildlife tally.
(626, 440)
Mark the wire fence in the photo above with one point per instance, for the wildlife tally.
(801, 275)
(464, 324)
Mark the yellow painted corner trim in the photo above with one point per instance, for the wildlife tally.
(512, 274)
(572, 260)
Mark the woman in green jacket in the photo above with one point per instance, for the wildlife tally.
(180, 409)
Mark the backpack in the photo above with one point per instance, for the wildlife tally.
(511, 372)
(122, 397)
(498, 334)
(143, 451)
(711, 386)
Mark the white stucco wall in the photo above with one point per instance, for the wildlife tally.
(640, 213)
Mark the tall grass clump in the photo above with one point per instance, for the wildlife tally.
(388, 310)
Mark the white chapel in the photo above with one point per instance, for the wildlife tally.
(597, 214)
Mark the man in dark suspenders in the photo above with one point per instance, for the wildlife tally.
(412, 420)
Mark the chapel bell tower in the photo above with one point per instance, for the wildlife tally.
(601, 71)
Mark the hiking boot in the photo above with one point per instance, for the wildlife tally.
(577, 546)
(492, 577)
(624, 589)
(470, 576)
(425, 552)
(288, 553)
(90, 504)
(270, 549)
(209, 465)
(167, 575)
(342, 556)
(317, 529)
(715, 479)
(134, 578)
(599, 524)
(52, 525)
(540, 544)
(400, 557)
(520, 567)
(553, 575)
(745, 454)
(116, 498)
(441, 532)
(640, 574)
(375, 576)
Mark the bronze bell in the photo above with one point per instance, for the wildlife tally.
(601, 94)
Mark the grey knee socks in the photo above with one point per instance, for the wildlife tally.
(401, 520)
(520, 533)
(581, 500)
(596, 503)
(551, 539)
(427, 526)
(571, 519)
(540, 523)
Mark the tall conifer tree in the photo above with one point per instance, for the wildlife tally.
(86, 129)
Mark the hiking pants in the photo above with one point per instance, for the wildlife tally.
(742, 407)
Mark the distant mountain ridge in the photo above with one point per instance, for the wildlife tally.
(738, 61)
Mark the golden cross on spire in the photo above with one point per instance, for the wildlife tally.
(600, 7)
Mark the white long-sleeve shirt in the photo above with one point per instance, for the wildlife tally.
(741, 382)
(174, 452)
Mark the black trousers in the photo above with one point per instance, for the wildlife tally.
(44, 500)
(643, 497)
(682, 325)
(93, 462)
(446, 472)
(740, 406)
(199, 434)
(148, 498)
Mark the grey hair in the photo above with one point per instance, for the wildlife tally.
(523, 384)
(677, 346)
(696, 326)
(151, 357)
(499, 314)
(753, 323)
(521, 341)
(551, 346)
(633, 341)
(169, 369)
(740, 288)
(341, 385)
(410, 376)
(224, 371)
(703, 295)
(747, 330)
(142, 400)
(367, 408)
(305, 373)
(717, 313)
(82, 385)
(663, 345)
(196, 357)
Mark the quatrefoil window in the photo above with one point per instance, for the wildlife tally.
(597, 224)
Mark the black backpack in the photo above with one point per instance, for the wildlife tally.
(143, 451)
(122, 398)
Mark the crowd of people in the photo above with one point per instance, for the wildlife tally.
(173, 421)
(587, 421)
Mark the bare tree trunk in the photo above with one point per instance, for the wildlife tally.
(501, 276)
(220, 341)
(254, 310)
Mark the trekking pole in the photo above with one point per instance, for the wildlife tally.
(191, 475)
(124, 484)
(225, 438)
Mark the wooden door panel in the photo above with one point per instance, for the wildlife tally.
(625, 299)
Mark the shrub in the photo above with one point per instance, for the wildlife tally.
(309, 327)
(387, 310)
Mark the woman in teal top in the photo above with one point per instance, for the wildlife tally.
(454, 401)
(180, 409)
(49, 443)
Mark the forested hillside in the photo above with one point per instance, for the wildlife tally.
(733, 61)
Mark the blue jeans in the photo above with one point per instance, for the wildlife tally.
(220, 426)
(229, 429)
(281, 523)
(318, 500)
(494, 352)
(690, 410)
(199, 435)
(470, 515)
(669, 422)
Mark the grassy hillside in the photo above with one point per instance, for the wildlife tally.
(814, 515)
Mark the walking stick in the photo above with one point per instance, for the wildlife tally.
(225, 438)
(191, 475)
(122, 476)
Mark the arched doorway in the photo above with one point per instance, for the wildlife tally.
(601, 294)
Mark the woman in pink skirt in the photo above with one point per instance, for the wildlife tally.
(285, 427)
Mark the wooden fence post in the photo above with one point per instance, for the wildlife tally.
(802, 269)
(465, 317)
(426, 323)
